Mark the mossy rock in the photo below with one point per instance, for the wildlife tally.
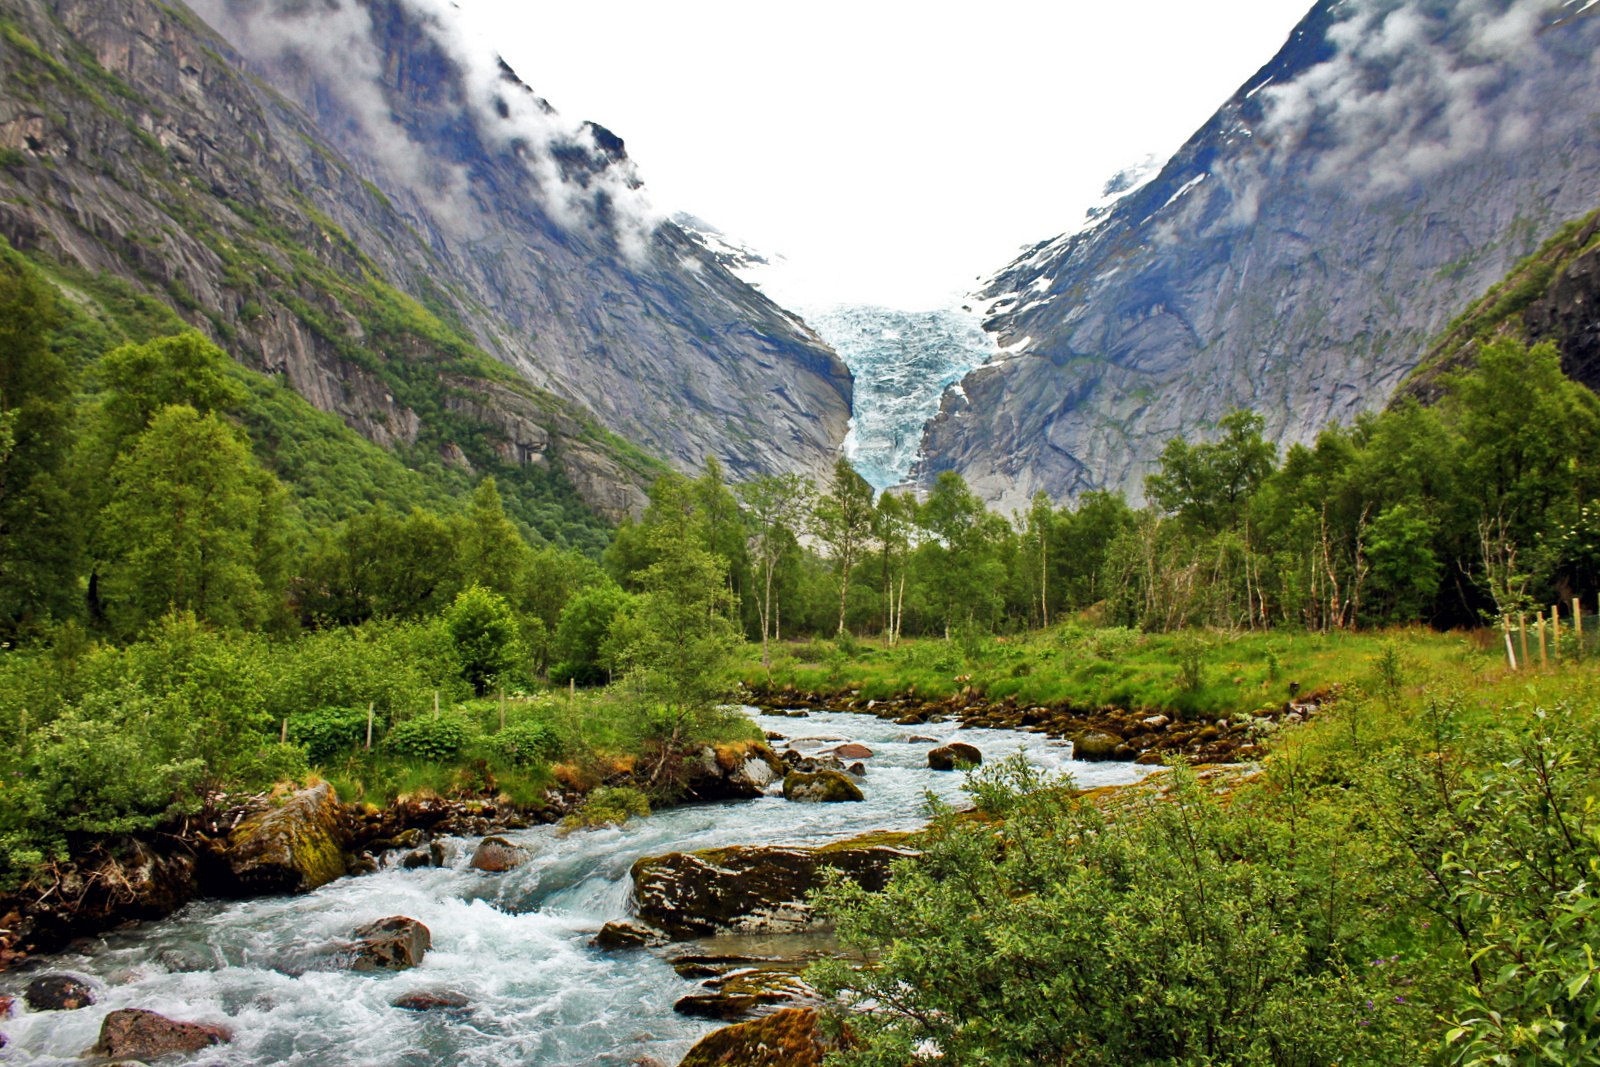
(786, 1038)
(750, 888)
(826, 787)
(1095, 746)
(293, 848)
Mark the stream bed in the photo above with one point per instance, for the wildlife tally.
(515, 944)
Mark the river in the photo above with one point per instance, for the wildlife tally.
(516, 944)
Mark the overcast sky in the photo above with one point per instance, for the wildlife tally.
(892, 151)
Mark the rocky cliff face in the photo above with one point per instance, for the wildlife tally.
(339, 207)
(1296, 256)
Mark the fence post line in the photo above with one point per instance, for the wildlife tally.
(283, 733)
(1577, 627)
(1555, 629)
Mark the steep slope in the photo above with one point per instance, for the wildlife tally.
(316, 240)
(1552, 295)
(1297, 255)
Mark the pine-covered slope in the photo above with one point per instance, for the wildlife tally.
(1298, 255)
(392, 260)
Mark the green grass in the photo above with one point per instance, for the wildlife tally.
(1084, 667)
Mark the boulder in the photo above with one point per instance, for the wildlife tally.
(910, 720)
(753, 888)
(627, 935)
(433, 1002)
(731, 772)
(412, 861)
(786, 1038)
(442, 853)
(853, 751)
(1094, 746)
(823, 786)
(918, 739)
(945, 759)
(857, 769)
(496, 855)
(58, 992)
(290, 849)
(131, 1032)
(391, 944)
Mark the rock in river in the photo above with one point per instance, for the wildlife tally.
(787, 1038)
(290, 849)
(752, 888)
(853, 751)
(945, 759)
(131, 1033)
(497, 855)
(57, 992)
(391, 944)
(822, 786)
(1095, 746)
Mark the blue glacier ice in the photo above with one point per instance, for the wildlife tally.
(903, 362)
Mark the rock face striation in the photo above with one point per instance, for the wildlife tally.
(1296, 256)
(346, 196)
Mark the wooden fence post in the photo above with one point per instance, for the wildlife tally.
(283, 733)
(1555, 629)
(1522, 628)
(1511, 655)
(1577, 627)
(369, 724)
(1544, 660)
(435, 703)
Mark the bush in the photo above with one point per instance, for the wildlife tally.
(526, 743)
(608, 807)
(435, 739)
(486, 637)
(327, 732)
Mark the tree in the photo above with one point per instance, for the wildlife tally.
(843, 520)
(680, 639)
(893, 523)
(963, 576)
(1208, 485)
(489, 550)
(773, 504)
(141, 380)
(39, 540)
(579, 647)
(486, 637)
(181, 530)
(1405, 572)
(378, 565)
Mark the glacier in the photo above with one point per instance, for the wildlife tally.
(903, 361)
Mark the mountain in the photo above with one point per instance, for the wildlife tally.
(349, 197)
(1297, 256)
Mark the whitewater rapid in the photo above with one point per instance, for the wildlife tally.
(515, 944)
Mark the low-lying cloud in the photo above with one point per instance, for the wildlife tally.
(1414, 88)
(327, 50)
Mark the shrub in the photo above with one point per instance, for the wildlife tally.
(608, 807)
(327, 732)
(435, 739)
(526, 743)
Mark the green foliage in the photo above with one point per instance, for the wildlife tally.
(527, 743)
(486, 637)
(1209, 485)
(1174, 938)
(329, 732)
(434, 738)
(608, 806)
(580, 649)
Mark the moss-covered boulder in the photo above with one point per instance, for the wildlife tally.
(1095, 746)
(946, 758)
(827, 787)
(293, 848)
(787, 1038)
(752, 888)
